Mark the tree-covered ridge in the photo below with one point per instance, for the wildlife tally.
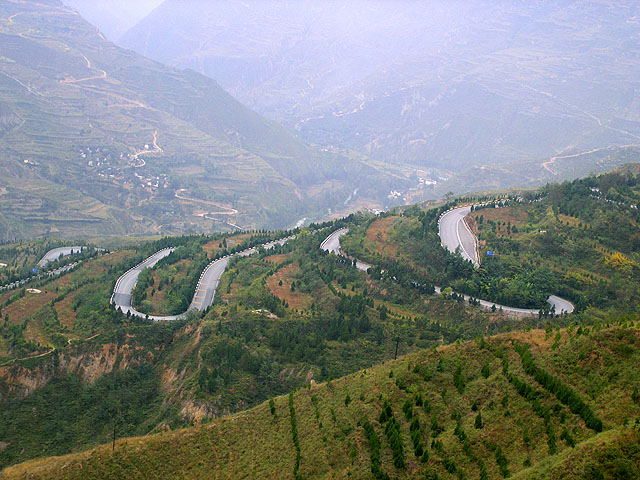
(473, 410)
(579, 240)
(585, 233)
(252, 344)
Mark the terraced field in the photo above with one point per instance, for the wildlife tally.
(101, 141)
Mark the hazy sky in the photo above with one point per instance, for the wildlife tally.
(114, 17)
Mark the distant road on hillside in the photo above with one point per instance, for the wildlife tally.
(452, 225)
(455, 234)
(53, 255)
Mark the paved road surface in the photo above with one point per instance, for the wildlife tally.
(454, 233)
(121, 297)
(53, 255)
(332, 244)
(205, 291)
(208, 284)
(561, 304)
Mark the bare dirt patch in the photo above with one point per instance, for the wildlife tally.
(280, 285)
(379, 235)
(215, 245)
(514, 215)
(66, 314)
(19, 310)
(276, 259)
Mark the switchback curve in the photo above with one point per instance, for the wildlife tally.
(205, 291)
(331, 244)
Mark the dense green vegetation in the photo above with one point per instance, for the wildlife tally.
(294, 315)
(67, 414)
(585, 233)
(577, 239)
(423, 262)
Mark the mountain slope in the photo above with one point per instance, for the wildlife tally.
(474, 408)
(99, 139)
(71, 366)
(116, 16)
(444, 86)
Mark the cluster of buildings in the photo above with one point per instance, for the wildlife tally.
(123, 169)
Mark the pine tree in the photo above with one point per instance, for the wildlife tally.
(478, 423)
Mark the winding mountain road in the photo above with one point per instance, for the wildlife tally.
(53, 255)
(453, 226)
(331, 244)
(122, 293)
(454, 234)
(205, 291)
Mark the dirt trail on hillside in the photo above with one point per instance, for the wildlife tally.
(548, 164)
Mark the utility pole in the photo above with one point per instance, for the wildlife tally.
(115, 424)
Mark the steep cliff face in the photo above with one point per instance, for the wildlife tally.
(20, 380)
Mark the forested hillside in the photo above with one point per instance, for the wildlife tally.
(558, 404)
(577, 239)
(295, 316)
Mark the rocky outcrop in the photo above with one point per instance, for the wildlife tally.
(89, 366)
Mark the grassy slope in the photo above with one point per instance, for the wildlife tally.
(601, 366)
(234, 358)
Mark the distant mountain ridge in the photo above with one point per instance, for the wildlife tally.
(440, 85)
(115, 17)
(99, 140)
